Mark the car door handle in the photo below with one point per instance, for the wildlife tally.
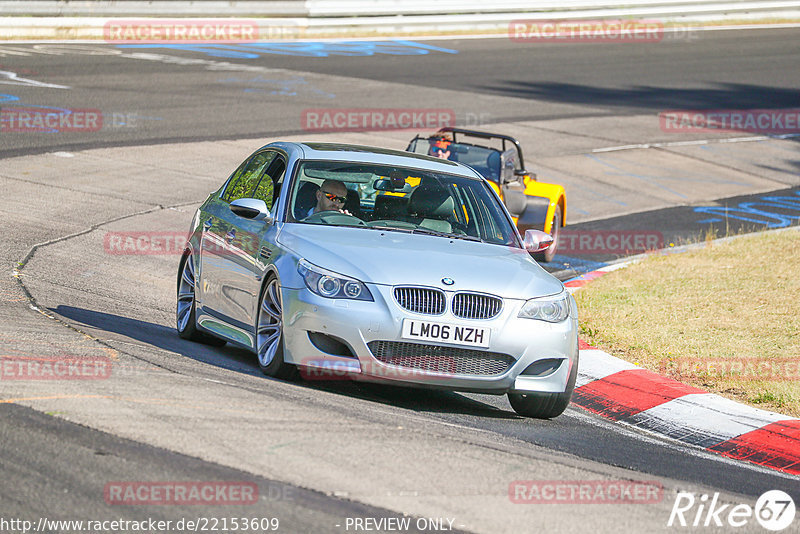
(207, 225)
(230, 236)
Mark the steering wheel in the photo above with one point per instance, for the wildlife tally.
(334, 217)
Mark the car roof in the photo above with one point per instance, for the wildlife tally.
(371, 154)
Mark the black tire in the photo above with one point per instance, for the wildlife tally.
(549, 253)
(545, 405)
(269, 333)
(187, 324)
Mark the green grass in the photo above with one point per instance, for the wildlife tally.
(725, 317)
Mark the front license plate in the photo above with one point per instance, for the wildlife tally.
(472, 336)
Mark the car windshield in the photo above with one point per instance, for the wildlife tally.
(485, 160)
(373, 196)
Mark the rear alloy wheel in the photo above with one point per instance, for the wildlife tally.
(269, 333)
(185, 315)
(545, 405)
(549, 253)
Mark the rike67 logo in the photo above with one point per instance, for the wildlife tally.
(774, 510)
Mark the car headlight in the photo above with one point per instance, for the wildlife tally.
(552, 309)
(332, 285)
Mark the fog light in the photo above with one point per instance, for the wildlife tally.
(543, 368)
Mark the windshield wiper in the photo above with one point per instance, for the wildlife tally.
(425, 231)
(428, 231)
(390, 228)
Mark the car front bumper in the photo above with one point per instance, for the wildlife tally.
(368, 345)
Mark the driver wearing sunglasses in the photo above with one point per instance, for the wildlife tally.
(331, 196)
(440, 147)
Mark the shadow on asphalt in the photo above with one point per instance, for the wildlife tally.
(735, 95)
(243, 361)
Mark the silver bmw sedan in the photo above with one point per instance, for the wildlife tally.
(339, 261)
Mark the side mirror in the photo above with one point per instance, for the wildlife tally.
(251, 208)
(537, 241)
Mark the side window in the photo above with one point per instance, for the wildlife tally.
(245, 181)
(460, 211)
(234, 178)
(270, 184)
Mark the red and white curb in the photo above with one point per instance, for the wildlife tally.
(623, 392)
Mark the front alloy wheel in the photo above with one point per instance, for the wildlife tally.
(269, 333)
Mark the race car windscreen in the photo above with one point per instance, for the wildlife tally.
(485, 160)
(398, 199)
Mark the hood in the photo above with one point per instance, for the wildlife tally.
(397, 258)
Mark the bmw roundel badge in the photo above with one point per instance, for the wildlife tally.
(448, 281)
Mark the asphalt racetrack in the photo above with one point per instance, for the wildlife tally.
(162, 126)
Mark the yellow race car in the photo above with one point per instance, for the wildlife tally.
(532, 204)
